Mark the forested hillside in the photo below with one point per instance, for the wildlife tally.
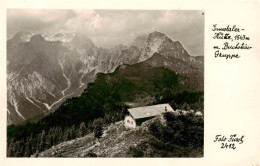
(103, 102)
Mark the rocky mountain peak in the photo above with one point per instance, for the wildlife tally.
(62, 37)
(62, 73)
(37, 38)
(22, 36)
(156, 36)
(140, 41)
(155, 41)
(82, 40)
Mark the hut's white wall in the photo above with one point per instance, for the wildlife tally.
(129, 122)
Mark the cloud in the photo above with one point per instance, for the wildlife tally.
(110, 27)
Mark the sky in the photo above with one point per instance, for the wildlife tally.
(107, 28)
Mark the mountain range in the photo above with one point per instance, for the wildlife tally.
(43, 70)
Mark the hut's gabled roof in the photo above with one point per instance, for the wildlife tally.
(149, 111)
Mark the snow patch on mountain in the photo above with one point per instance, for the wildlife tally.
(49, 107)
(31, 101)
(62, 37)
(15, 104)
(61, 63)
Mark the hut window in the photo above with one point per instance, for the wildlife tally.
(128, 121)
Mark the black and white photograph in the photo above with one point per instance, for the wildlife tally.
(87, 83)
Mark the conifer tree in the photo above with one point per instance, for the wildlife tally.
(98, 128)
(42, 144)
(82, 130)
